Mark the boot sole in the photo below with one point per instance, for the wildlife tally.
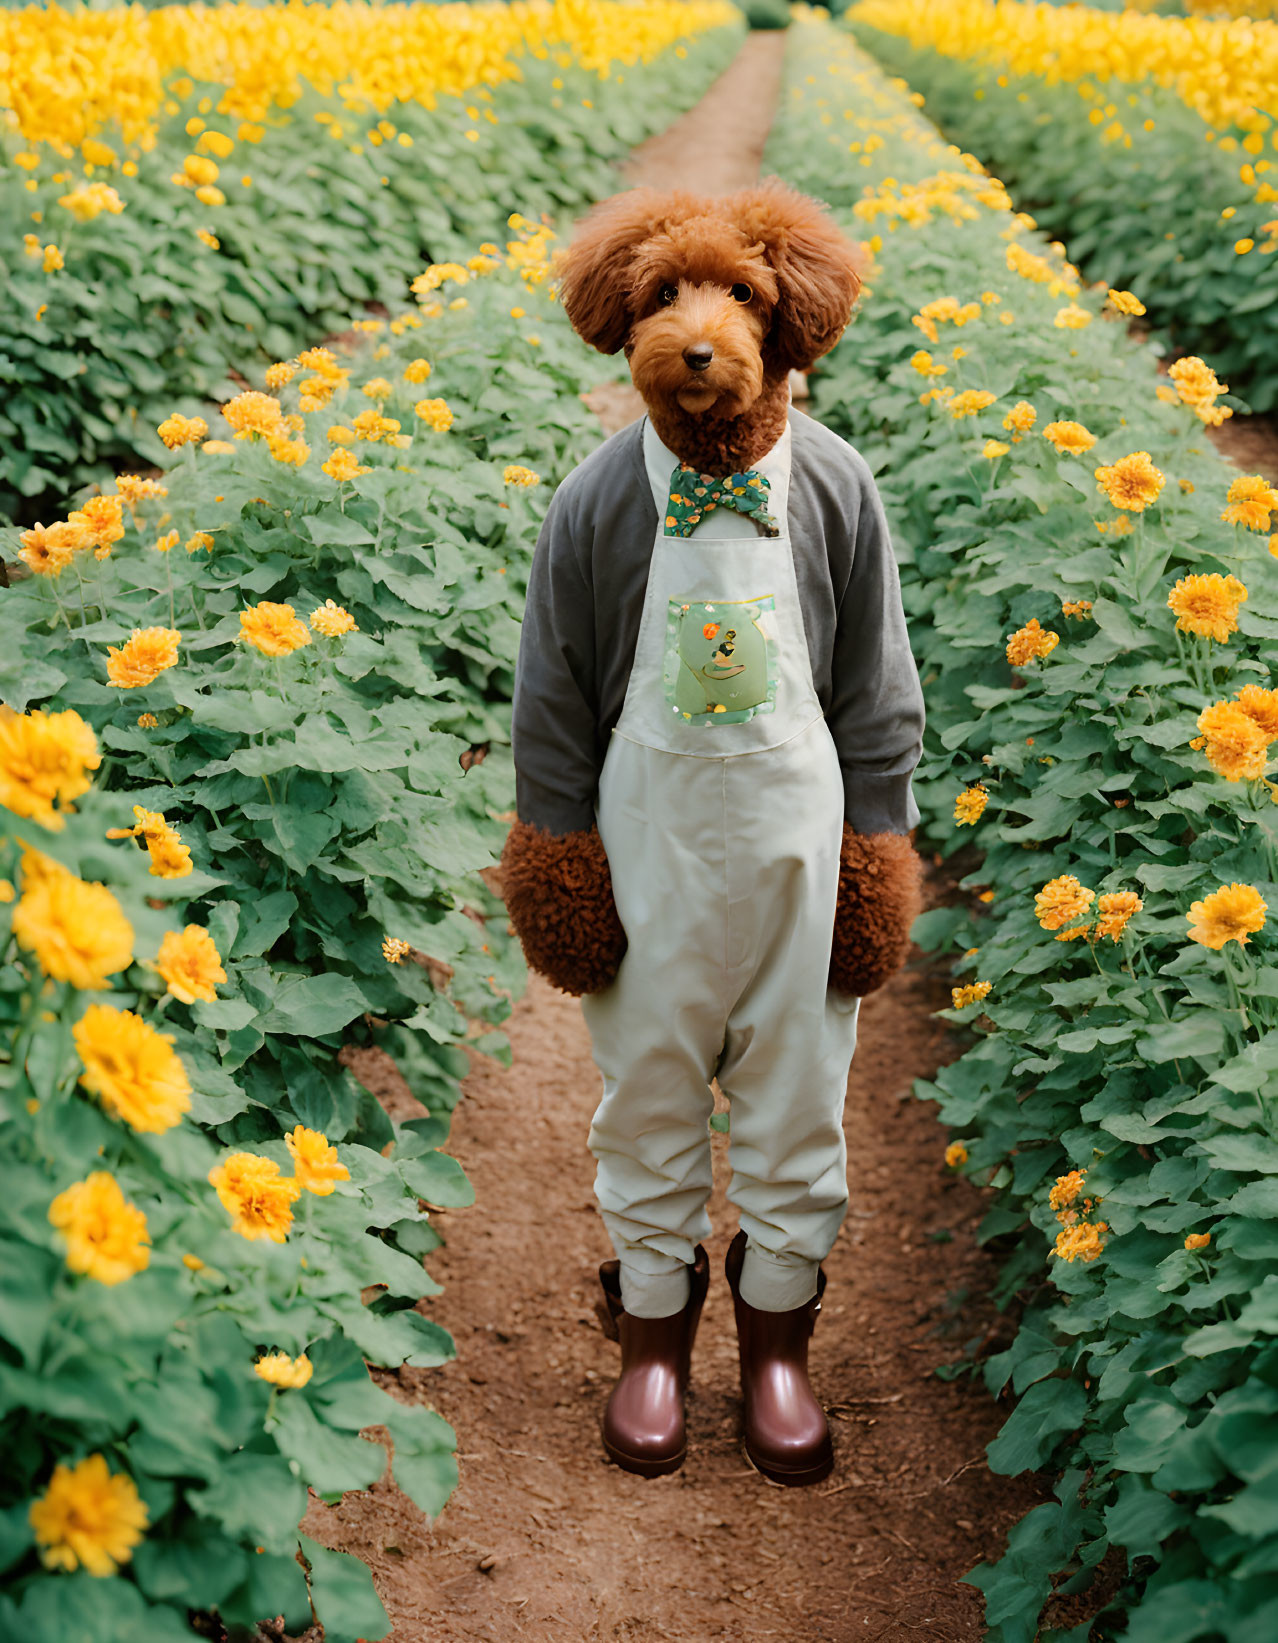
(796, 1478)
(644, 1468)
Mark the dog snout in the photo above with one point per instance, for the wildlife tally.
(698, 356)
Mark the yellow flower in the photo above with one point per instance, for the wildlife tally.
(1232, 913)
(1169, 396)
(1061, 901)
(88, 1517)
(147, 721)
(253, 413)
(280, 1370)
(342, 465)
(190, 965)
(955, 1155)
(200, 540)
(435, 414)
(972, 993)
(1207, 605)
(256, 1196)
(47, 550)
(925, 365)
(1124, 302)
(1197, 384)
(331, 620)
(417, 370)
(970, 804)
(372, 426)
(279, 375)
(1244, 245)
(1133, 482)
(1235, 743)
(1261, 706)
(1080, 608)
(170, 540)
(1031, 642)
(315, 1165)
(143, 657)
(209, 239)
(1067, 1189)
(102, 521)
(53, 259)
(378, 388)
(131, 1068)
(1114, 910)
(993, 449)
(275, 630)
(1081, 1243)
(1070, 438)
(133, 488)
(294, 451)
(45, 760)
(193, 1263)
(1071, 318)
(514, 474)
(1198, 1240)
(105, 1235)
(176, 430)
(218, 447)
(170, 858)
(77, 930)
(970, 401)
(1252, 499)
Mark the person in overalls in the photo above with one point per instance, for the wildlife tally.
(716, 718)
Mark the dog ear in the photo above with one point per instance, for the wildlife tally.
(594, 272)
(818, 269)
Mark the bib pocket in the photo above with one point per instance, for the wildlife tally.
(720, 665)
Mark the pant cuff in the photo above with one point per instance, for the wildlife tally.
(776, 1283)
(655, 1294)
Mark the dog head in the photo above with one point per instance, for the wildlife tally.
(712, 299)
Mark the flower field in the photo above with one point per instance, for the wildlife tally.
(1092, 598)
(1149, 142)
(201, 190)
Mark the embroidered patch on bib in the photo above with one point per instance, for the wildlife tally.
(720, 660)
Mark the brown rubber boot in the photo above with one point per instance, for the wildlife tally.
(643, 1424)
(786, 1433)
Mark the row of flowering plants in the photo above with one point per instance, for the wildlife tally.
(191, 192)
(281, 663)
(1093, 596)
(1149, 141)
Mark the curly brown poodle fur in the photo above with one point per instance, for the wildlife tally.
(558, 892)
(715, 301)
(880, 895)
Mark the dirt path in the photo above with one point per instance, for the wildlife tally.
(544, 1540)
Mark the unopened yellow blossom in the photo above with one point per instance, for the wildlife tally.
(278, 1369)
(272, 629)
(90, 200)
(1081, 609)
(395, 949)
(88, 1517)
(993, 449)
(1123, 302)
(257, 1197)
(417, 370)
(105, 1236)
(170, 540)
(315, 1163)
(1235, 912)
(201, 540)
(1031, 643)
(331, 620)
(131, 1068)
(143, 657)
(955, 1155)
(190, 965)
(1198, 1240)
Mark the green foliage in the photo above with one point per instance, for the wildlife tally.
(1158, 211)
(146, 318)
(1149, 1374)
(330, 797)
(768, 14)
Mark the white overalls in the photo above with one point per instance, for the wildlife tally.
(721, 810)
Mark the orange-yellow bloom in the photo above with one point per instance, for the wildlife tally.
(1114, 911)
(1061, 901)
(970, 804)
(1233, 741)
(1133, 482)
(1207, 605)
(1251, 501)
(279, 1369)
(275, 630)
(1233, 913)
(143, 657)
(105, 1235)
(1070, 438)
(131, 1068)
(77, 930)
(191, 965)
(88, 1517)
(1030, 643)
(45, 762)
(315, 1162)
(972, 993)
(256, 1196)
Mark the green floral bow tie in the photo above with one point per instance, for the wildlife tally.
(693, 495)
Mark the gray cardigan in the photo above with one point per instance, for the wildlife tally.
(585, 597)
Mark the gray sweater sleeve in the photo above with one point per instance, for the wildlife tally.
(553, 728)
(876, 701)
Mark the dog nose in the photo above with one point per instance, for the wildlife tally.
(698, 356)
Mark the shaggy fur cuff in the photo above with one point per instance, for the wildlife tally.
(558, 892)
(879, 898)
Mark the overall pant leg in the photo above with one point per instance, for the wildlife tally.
(790, 1040)
(658, 1031)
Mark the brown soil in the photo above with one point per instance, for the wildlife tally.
(1250, 443)
(544, 1540)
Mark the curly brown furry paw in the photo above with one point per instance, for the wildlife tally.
(880, 896)
(558, 892)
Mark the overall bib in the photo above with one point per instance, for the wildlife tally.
(721, 811)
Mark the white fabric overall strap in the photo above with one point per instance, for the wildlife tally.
(721, 663)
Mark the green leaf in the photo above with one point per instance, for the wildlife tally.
(1029, 1435)
(346, 1605)
(312, 1006)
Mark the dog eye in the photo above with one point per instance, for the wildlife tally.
(667, 295)
(742, 293)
